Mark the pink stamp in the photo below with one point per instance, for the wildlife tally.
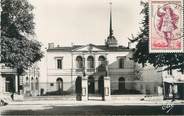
(165, 26)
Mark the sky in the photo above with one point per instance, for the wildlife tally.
(83, 21)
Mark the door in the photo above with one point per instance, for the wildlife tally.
(101, 86)
(10, 83)
(121, 85)
(59, 82)
(78, 88)
(91, 85)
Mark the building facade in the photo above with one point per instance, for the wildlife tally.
(13, 87)
(173, 84)
(30, 81)
(97, 70)
(8, 83)
(9, 80)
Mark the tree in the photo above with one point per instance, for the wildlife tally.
(168, 61)
(18, 50)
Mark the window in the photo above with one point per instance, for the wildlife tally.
(51, 84)
(79, 62)
(121, 63)
(91, 63)
(36, 84)
(59, 63)
(32, 83)
(7, 89)
(27, 78)
(102, 64)
(102, 60)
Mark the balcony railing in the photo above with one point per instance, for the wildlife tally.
(90, 70)
(101, 68)
(79, 69)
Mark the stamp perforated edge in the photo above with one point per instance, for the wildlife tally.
(182, 29)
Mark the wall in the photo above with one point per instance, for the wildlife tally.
(53, 73)
(115, 72)
(145, 80)
(151, 79)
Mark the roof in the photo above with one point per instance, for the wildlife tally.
(102, 47)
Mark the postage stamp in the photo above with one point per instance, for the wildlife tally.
(165, 26)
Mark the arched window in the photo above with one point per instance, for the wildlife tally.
(121, 84)
(91, 62)
(59, 82)
(101, 60)
(32, 83)
(27, 80)
(79, 62)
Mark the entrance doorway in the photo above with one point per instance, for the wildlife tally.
(10, 84)
(91, 85)
(101, 85)
(78, 88)
(59, 82)
(98, 93)
(121, 85)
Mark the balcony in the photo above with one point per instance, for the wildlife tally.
(79, 69)
(90, 70)
(101, 68)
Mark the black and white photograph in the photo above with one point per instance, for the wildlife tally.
(91, 57)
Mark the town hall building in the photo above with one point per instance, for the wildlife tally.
(97, 70)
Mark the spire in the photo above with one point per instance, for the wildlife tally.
(111, 40)
(110, 28)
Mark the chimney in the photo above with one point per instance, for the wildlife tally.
(50, 45)
(129, 44)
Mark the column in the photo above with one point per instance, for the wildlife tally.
(107, 89)
(96, 85)
(96, 61)
(16, 83)
(84, 88)
(85, 62)
(1, 84)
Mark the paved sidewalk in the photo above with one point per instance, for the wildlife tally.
(111, 102)
(92, 107)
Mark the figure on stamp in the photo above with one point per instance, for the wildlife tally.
(167, 22)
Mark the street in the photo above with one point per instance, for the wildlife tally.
(90, 110)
